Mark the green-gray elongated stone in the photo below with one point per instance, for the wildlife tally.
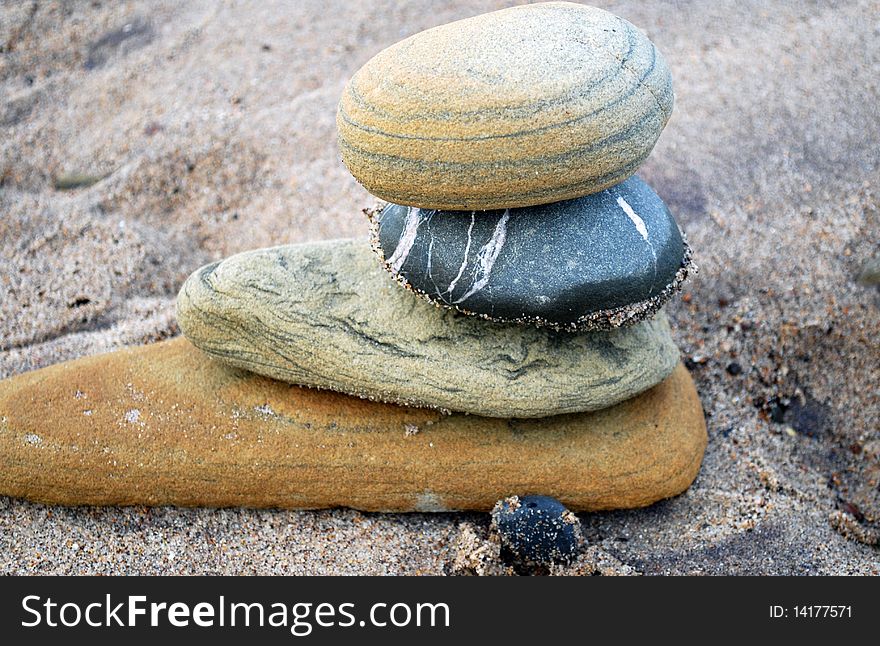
(597, 262)
(326, 315)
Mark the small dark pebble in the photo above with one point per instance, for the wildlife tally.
(869, 275)
(852, 509)
(777, 410)
(536, 531)
(152, 128)
(733, 368)
(70, 181)
(131, 36)
(808, 416)
(691, 362)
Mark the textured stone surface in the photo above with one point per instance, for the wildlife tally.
(536, 530)
(523, 106)
(327, 315)
(166, 424)
(601, 261)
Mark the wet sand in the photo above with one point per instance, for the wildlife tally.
(142, 140)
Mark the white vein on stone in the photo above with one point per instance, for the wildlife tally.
(641, 228)
(407, 239)
(632, 215)
(429, 271)
(467, 250)
(487, 256)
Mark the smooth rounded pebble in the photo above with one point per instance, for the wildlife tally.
(596, 262)
(165, 424)
(327, 315)
(536, 530)
(523, 106)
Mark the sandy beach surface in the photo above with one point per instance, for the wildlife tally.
(204, 129)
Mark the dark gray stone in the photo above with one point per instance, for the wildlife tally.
(596, 262)
(536, 531)
(133, 35)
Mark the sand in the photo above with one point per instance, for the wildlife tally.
(206, 129)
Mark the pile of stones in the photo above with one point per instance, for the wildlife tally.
(504, 147)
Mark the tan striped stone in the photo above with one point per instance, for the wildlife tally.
(167, 425)
(523, 106)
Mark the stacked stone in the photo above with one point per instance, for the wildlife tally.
(505, 145)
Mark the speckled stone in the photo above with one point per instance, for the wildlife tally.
(536, 531)
(523, 106)
(596, 262)
(327, 315)
(165, 424)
